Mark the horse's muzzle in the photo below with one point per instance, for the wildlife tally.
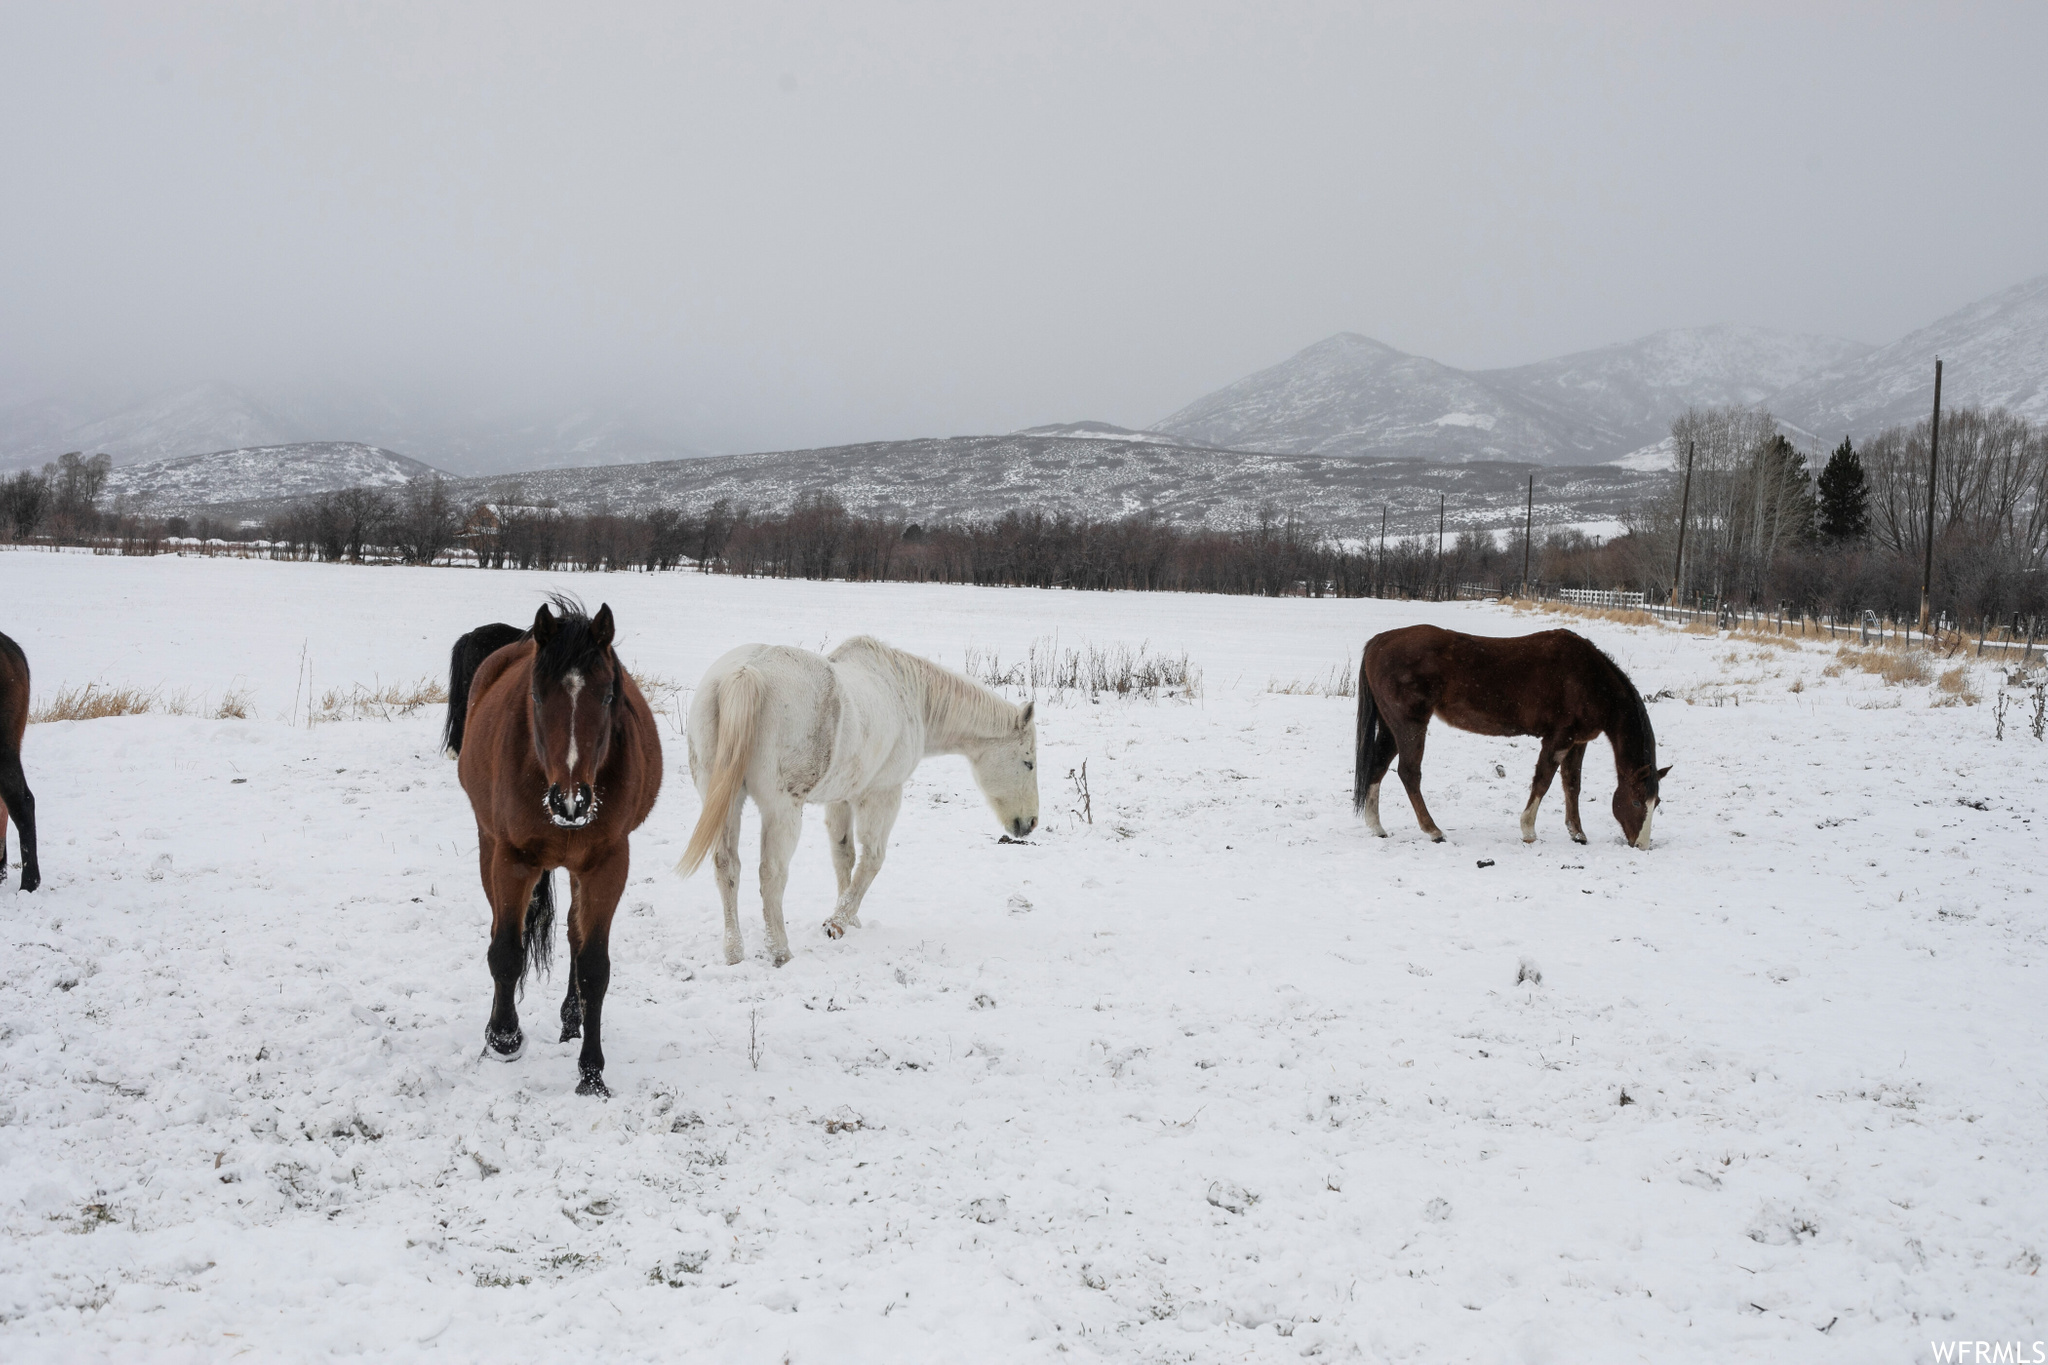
(1023, 825)
(571, 810)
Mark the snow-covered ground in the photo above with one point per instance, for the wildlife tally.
(1213, 1078)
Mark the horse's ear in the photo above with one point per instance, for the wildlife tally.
(601, 626)
(544, 624)
(1025, 719)
(1662, 771)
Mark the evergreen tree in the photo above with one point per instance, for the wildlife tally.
(1844, 496)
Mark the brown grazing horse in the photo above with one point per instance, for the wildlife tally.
(1554, 684)
(17, 803)
(561, 761)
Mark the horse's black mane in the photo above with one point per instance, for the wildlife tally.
(571, 645)
(1640, 737)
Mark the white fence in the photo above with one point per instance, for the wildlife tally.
(1586, 598)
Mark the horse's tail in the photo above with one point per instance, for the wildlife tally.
(462, 664)
(537, 943)
(1370, 728)
(737, 706)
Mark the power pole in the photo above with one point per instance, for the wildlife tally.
(1440, 584)
(1528, 530)
(1380, 567)
(1933, 461)
(1684, 506)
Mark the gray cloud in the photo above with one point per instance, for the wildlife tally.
(790, 224)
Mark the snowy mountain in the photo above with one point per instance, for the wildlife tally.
(1994, 354)
(277, 472)
(1351, 395)
(189, 421)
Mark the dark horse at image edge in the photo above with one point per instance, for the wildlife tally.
(1555, 685)
(561, 761)
(17, 803)
(463, 661)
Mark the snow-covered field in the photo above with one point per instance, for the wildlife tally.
(1215, 1078)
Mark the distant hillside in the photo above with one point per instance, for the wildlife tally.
(261, 473)
(1351, 395)
(1994, 354)
(984, 476)
(206, 418)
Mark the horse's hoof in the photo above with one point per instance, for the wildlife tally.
(1528, 838)
(593, 1084)
(1437, 837)
(1578, 838)
(782, 959)
(570, 1032)
(733, 956)
(834, 929)
(31, 878)
(504, 1047)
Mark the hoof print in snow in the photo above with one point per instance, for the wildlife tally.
(989, 1210)
(843, 1120)
(984, 1002)
(1019, 906)
(1437, 1210)
(1231, 1198)
(1626, 1098)
(1528, 971)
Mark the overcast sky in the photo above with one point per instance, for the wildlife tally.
(792, 224)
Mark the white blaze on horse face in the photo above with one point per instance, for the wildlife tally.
(1643, 834)
(1006, 770)
(572, 681)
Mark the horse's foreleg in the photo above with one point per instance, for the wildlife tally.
(595, 899)
(18, 805)
(1546, 767)
(572, 998)
(1569, 770)
(781, 822)
(510, 884)
(878, 811)
(1410, 769)
(839, 829)
(725, 865)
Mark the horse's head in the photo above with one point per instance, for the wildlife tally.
(1635, 802)
(1006, 770)
(576, 680)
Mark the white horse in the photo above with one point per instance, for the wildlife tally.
(789, 728)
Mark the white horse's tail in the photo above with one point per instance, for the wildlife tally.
(738, 705)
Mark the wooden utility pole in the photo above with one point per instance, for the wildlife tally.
(1528, 531)
(1684, 507)
(1440, 584)
(1380, 567)
(1933, 462)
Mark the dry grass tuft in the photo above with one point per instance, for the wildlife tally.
(1953, 688)
(1895, 666)
(1090, 671)
(378, 702)
(93, 702)
(234, 705)
(1622, 616)
(658, 688)
(1798, 685)
(1338, 682)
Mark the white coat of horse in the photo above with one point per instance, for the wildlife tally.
(792, 728)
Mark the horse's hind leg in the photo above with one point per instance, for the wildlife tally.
(839, 829)
(1569, 770)
(595, 897)
(782, 821)
(1376, 773)
(878, 810)
(725, 865)
(1546, 767)
(1411, 776)
(18, 805)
